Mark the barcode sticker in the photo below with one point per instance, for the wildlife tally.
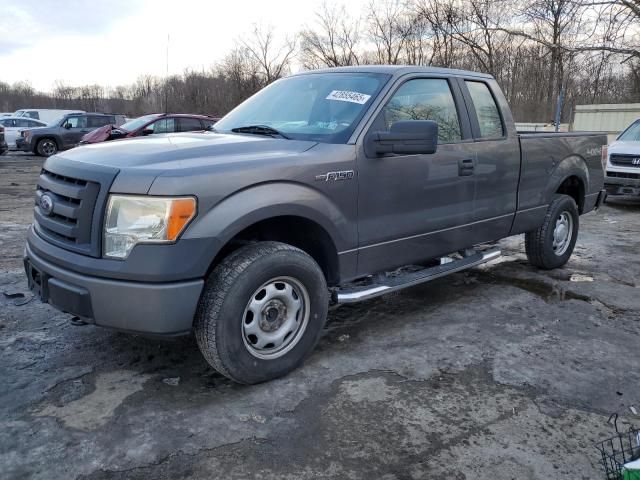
(347, 96)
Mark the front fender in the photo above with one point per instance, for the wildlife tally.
(260, 202)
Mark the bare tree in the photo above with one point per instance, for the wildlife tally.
(273, 60)
(333, 42)
(390, 27)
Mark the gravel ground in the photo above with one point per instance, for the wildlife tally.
(500, 372)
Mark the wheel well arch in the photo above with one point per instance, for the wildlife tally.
(300, 232)
(574, 187)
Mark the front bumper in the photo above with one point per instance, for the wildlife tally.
(619, 185)
(22, 145)
(139, 307)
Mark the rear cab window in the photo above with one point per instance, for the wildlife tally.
(487, 111)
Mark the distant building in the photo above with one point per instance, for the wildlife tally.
(611, 118)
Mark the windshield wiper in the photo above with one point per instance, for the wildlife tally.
(260, 130)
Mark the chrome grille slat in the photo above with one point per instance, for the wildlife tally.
(51, 184)
(60, 227)
(63, 206)
(632, 161)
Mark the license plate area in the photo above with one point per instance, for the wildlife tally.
(37, 281)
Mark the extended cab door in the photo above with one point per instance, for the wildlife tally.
(416, 207)
(497, 168)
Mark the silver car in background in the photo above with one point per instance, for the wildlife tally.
(14, 125)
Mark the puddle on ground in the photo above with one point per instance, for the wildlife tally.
(95, 409)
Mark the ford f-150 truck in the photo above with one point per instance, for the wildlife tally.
(330, 186)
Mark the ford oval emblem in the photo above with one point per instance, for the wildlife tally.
(46, 204)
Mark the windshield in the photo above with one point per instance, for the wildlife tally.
(323, 107)
(631, 134)
(136, 123)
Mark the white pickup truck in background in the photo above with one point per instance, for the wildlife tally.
(623, 163)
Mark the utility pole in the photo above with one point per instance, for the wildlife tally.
(559, 107)
(166, 80)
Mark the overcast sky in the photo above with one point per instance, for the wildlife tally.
(112, 42)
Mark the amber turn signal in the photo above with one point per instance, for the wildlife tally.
(181, 211)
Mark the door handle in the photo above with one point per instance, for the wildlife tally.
(465, 167)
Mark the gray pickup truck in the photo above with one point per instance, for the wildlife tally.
(330, 186)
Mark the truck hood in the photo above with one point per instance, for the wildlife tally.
(184, 150)
(625, 148)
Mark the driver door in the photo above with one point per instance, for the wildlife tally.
(415, 207)
(74, 128)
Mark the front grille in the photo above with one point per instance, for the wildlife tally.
(625, 160)
(623, 175)
(70, 220)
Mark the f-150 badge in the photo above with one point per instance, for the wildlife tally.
(335, 176)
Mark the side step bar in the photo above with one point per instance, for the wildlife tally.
(392, 284)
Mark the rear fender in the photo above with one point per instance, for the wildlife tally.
(568, 167)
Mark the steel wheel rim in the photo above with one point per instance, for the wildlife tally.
(562, 233)
(48, 147)
(275, 318)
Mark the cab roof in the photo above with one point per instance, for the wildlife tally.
(397, 70)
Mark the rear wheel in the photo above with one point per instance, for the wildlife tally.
(551, 245)
(46, 147)
(261, 312)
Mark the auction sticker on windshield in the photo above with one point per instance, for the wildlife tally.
(347, 96)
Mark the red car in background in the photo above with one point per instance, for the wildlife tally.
(152, 124)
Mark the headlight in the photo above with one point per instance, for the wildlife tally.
(139, 219)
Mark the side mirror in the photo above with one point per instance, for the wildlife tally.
(409, 137)
(67, 125)
(147, 131)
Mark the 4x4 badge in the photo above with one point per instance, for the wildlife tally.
(335, 176)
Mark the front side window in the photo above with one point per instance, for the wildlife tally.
(486, 110)
(631, 134)
(425, 99)
(76, 122)
(322, 107)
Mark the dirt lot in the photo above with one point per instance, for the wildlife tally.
(501, 372)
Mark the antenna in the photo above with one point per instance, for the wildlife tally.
(166, 80)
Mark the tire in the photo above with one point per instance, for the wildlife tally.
(265, 278)
(550, 246)
(46, 147)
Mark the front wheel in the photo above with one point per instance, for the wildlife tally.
(46, 147)
(551, 244)
(261, 312)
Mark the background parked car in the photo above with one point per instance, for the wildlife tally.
(622, 169)
(151, 124)
(14, 125)
(46, 115)
(63, 134)
(3, 144)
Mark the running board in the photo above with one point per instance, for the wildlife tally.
(388, 285)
